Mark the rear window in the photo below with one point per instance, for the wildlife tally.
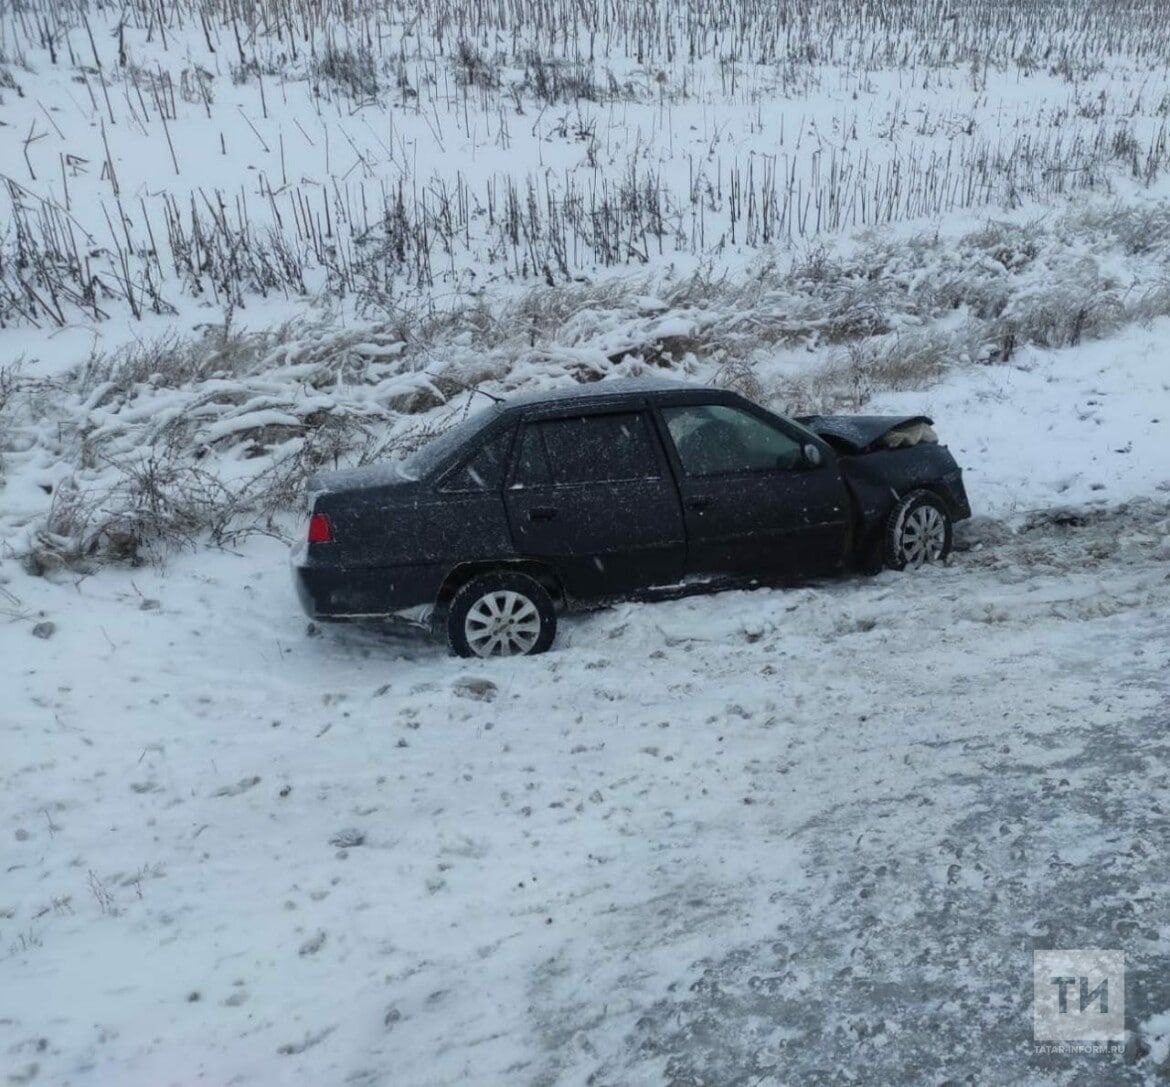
(600, 448)
(431, 457)
(485, 470)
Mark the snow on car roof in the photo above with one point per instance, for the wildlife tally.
(621, 386)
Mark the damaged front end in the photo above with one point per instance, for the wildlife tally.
(885, 457)
(854, 434)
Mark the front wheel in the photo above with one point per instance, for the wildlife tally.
(501, 614)
(919, 531)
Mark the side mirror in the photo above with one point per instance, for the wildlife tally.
(812, 455)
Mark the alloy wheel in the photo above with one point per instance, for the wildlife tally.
(503, 623)
(924, 536)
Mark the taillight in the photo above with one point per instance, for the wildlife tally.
(320, 529)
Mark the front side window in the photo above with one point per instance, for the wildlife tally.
(713, 440)
(600, 448)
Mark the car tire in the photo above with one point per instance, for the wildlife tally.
(919, 531)
(501, 614)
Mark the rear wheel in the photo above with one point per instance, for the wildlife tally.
(501, 614)
(919, 531)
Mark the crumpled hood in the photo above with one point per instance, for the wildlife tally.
(863, 433)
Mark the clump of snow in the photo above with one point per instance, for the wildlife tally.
(1156, 1032)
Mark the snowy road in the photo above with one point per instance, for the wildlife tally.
(783, 836)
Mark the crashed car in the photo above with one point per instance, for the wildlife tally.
(540, 504)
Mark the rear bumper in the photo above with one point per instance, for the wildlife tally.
(333, 592)
(325, 593)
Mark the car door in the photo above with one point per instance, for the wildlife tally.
(593, 493)
(753, 504)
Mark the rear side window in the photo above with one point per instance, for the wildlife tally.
(485, 470)
(531, 462)
(600, 448)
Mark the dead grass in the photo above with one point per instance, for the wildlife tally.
(149, 479)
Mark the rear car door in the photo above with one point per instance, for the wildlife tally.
(592, 493)
(753, 504)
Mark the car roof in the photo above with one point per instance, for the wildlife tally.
(448, 448)
(595, 391)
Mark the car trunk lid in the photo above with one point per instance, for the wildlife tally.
(368, 477)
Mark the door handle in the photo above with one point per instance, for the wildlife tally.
(699, 502)
(541, 513)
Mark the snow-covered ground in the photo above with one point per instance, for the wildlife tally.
(785, 836)
(791, 835)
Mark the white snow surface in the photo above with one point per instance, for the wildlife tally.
(759, 789)
(1083, 425)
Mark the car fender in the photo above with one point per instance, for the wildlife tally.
(543, 572)
(877, 481)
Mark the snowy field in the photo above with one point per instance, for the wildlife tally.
(165, 157)
(775, 837)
